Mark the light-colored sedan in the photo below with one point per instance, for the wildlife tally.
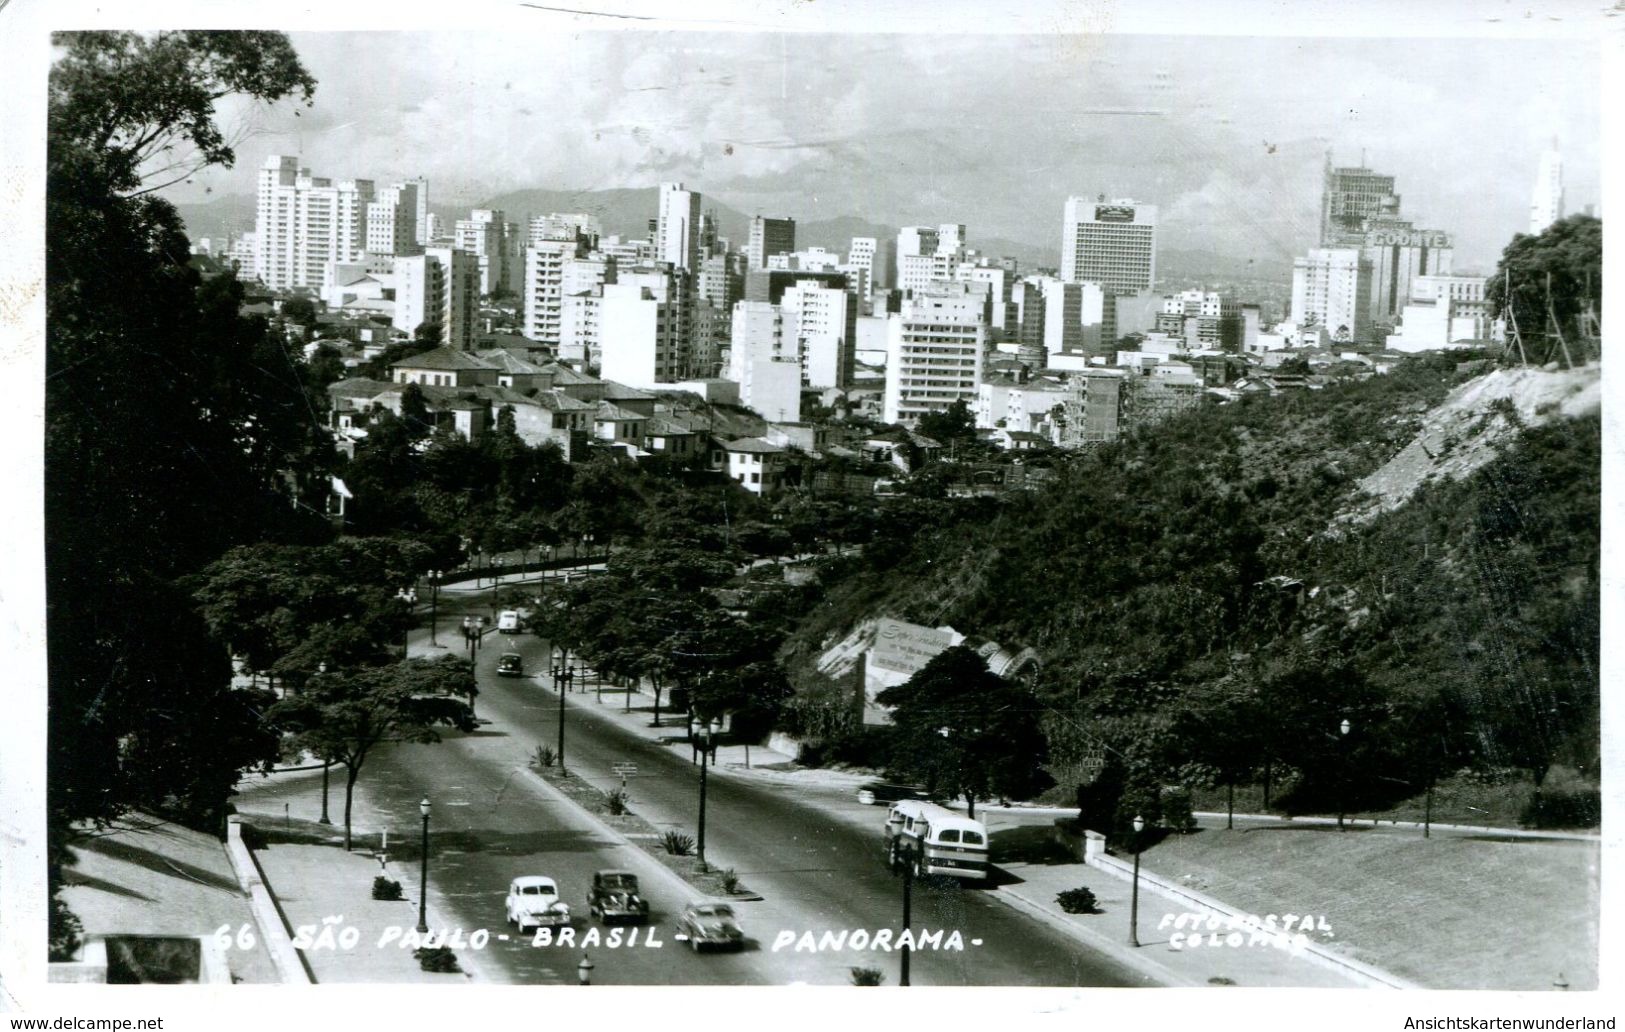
(710, 924)
(533, 902)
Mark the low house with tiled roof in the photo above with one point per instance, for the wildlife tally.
(543, 416)
(664, 436)
(629, 398)
(754, 463)
(444, 367)
(811, 438)
(350, 398)
(515, 370)
(573, 382)
(610, 422)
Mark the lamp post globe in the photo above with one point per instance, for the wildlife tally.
(423, 868)
(584, 969)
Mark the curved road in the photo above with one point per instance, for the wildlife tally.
(816, 873)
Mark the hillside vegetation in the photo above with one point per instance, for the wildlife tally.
(1207, 611)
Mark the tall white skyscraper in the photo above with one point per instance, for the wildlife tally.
(1330, 288)
(1113, 243)
(302, 222)
(826, 332)
(677, 230)
(934, 352)
(392, 221)
(484, 235)
(543, 290)
(440, 286)
(1546, 204)
(421, 228)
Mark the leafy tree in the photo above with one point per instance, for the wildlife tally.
(964, 728)
(344, 715)
(146, 103)
(428, 333)
(953, 423)
(166, 440)
(299, 310)
(1552, 276)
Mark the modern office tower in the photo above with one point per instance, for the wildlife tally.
(484, 235)
(436, 230)
(861, 255)
(998, 281)
(770, 284)
(711, 242)
(915, 272)
(1112, 243)
(950, 238)
(243, 253)
(765, 359)
(1350, 198)
(302, 222)
(1399, 253)
(677, 230)
(628, 252)
(1027, 297)
(769, 237)
(421, 234)
(440, 286)
(722, 280)
(912, 241)
(1546, 204)
(642, 328)
(543, 287)
(1078, 320)
(392, 220)
(934, 352)
(826, 332)
(1198, 316)
(565, 226)
(580, 325)
(1330, 288)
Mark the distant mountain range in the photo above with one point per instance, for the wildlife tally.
(626, 212)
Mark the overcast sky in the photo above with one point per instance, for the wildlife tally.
(1227, 135)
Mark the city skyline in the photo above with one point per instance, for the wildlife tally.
(993, 132)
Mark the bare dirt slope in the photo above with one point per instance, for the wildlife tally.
(1472, 424)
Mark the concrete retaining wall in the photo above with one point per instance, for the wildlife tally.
(783, 743)
(274, 932)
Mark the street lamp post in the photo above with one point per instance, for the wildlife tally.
(563, 673)
(908, 900)
(1343, 770)
(423, 866)
(326, 766)
(408, 595)
(584, 969)
(706, 731)
(1134, 892)
(434, 605)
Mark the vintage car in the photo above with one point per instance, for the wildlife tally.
(533, 902)
(615, 897)
(510, 664)
(508, 621)
(710, 924)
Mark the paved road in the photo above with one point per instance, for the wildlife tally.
(815, 871)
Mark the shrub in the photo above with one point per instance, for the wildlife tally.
(386, 888)
(730, 881)
(543, 757)
(867, 976)
(677, 843)
(1177, 811)
(617, 802)
(439, 959)
(1077, 901)
(1580, 808)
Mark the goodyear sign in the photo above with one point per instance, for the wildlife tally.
(906, 647)
(1406, 238)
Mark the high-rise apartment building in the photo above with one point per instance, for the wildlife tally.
(769, 237)
(1113, 243)
(441, 286)
(484, 235)
(1331, 289)
(1546, 203)
(565, 226)
(392, 221)
(860, 254)
(543, 290)
(302, 222)
(421, 230)
(765, 359)
(677, 230)
(642, 327)
(934, 351)
(826, 332)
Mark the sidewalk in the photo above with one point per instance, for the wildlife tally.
(318, 886)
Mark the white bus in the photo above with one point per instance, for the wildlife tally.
(942, 841)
